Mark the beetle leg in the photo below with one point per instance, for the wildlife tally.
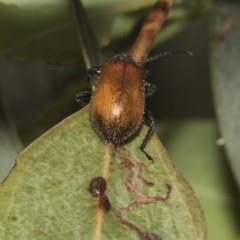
(149, 89)
(147, 118)
(83, 98)
(93, 74)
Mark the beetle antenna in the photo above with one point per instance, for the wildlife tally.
(164, 54)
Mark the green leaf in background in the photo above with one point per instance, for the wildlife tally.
(10, 145)
(46, 197)
(225, 71)
(192, 145)
(46, 33)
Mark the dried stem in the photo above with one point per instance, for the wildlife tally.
(150, 28)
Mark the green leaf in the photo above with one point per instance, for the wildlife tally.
(192, 145)
(56, 111)
(10, 145)
(225, 76)
(46, 33)
(46, 197)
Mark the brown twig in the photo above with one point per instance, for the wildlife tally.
(150, 28)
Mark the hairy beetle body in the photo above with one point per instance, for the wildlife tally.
(117, 106)
(117, 103)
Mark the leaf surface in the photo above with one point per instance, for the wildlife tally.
(192, 145)
(46, 197)
(225, 76)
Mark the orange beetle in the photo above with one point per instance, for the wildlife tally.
(117, 106)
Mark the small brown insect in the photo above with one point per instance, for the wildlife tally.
(97, 189)
(97, 186)
(117, 106)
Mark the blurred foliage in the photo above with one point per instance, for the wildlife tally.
(44, 32)
(10, 144)
(225, 36)
(192, 146)
(47, 33)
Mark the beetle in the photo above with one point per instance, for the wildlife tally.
(117, 104)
